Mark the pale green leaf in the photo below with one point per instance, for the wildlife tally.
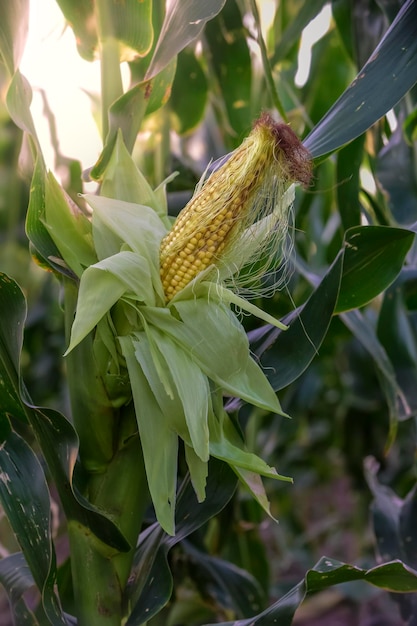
(254, 484)
(18, 100)
(99, 290)
(215, 339)
(14, 19)
(192, 388)
(198, 472)
(134, 271)
(191, 426)
(184, 22)
(233, 452)
(117, 223)
(68, 227)
(124, 181)
(159, 443)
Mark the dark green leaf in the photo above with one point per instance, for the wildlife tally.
(150, 584)
(231, 63)
(395, 170)
(349, 160)
(408, 529)
(231, 587)
(15, 575)
(394, 576)
(396, 334)
(11, 338)
(57, 437)
(189, 92)
(363, 330)
(394, 527)
(25, 499)
(294, 349)
(388, 75)
(373, 258)
(16, 578)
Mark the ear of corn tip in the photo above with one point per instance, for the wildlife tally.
(228, 201)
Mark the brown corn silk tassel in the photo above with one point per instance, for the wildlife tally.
(232, 199)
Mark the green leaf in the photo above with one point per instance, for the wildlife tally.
(226, 445)
(14, 21)
(18, 100)
(191, 80)
(183, 23)
(207, 327)
(35, 219)
(363, 330)
(394, 576)
(388, 75)
(349, 161)
(136, 225)
(291, 35)
(191, 388)
(373, 258)
(396, 334)
(159, 442)
(395, 171)
(294, 349)
(151, 583)
(103, 284)
(16, 578)
(56, 436)
(230, 587)
(122, 180)
(127, 112)
(231, 62)
(68, 227)
(25, 499)
(80, 15)
(11, 335)
(130, 23)
(393, 520)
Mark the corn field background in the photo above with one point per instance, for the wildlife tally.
(80, 543)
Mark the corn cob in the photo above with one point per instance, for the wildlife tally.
(230, 201)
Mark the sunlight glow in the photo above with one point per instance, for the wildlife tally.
(311, 34)
(53, 66)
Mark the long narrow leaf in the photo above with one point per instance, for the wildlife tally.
(387, 76)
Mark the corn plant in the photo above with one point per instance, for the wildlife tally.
(166, 365)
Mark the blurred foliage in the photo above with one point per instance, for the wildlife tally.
(346, 369)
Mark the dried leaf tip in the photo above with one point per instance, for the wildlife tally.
(246, 188)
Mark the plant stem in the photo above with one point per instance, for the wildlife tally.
(94, 418)
(99, 572)
(122, 492)
(111, 454)
(97, 593)
(266, 65)
(111, 80)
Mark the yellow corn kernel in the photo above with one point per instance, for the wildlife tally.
(230, 200)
